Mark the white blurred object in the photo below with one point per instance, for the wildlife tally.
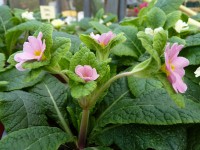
(57, 23)
(1, 2)
(70, 19)
(80, 15)
(181, 26)
(153, 32)
(28, 15)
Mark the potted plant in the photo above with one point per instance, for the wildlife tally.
(132, 85)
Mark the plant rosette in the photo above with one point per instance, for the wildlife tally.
(107, 88)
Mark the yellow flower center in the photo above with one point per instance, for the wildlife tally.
(163, 68)
(37, 53)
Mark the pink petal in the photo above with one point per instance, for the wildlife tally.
(19, 66)
(34, 42)
(87, 70)
(78, 70)
(172, 77)
(28, 48)
(94, 74)
(175, 49)
(96, 37)
(180, 72)
(180, 62)
(179, 85)
(24, 56)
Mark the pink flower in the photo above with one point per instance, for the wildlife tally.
(174, 67)
(32, 50)
(86, 72)
(104, 38)
(142, 5)
(136, 11)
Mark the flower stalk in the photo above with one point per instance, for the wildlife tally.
(83, 129)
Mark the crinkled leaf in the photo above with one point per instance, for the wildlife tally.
(132, 46)
(99, 27)
(138, 86)
(193, 40)
(155, 107)
(13, 34)
(169, 6)
(75, 41)
(176, 97)
(192, 54)
(147, 43)
(19, 110)
(35, 138)
(172, 18)
(18, 79)
(159, 42)
(156, 18)
(83, 57)
(143, 137)
(48, 88)
(60, 47)
(79, 90)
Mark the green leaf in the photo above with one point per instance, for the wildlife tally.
(172, 18)
(44, 91)
(159, 42)
(138, 86)
(90, 42)
(60, 47)
(13, 34)
(193, 138)
(146, 68)
(20, 110)
(154, 107)
(99, 13)
(2, 62)
(156, 18)
(35, 138)
(175, 39)
(148, 45)
(141, 137)
(75, 41)
(18, 79)
(132, 46)
(5, 12)
(83, 57)
(192, 54)
(79, 90)
(169, 6)
(99, 27)
(193, 40)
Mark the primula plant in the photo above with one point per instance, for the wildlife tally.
(129, 86)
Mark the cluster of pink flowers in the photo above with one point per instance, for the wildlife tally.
(104, 38)
(32, 50)
(174, 67)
